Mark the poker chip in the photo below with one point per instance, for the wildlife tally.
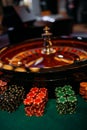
(1, 64)
(83, 84)
(67, 87)
(20, 69)
(34, 89)
(83, 90)
(72, 99)
(66, 101)
(34, 69)
(61, 100)
(70, 92)
(28, 101)
(60, 94)
(3, 86)
(35, 101)
(7, 67)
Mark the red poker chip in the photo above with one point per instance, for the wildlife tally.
(29, 112)
(37, 101)
(38, 115)
(40, 109)
(41, 95)
(31, 95)
(28, 101)
(3, 83)
(43, 90)
(27, 109)
(35, 89)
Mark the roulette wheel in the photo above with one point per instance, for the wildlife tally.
(46, 61)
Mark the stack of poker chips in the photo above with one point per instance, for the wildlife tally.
(35, 101)
(11, 98)
(3, 86)
(83, 90)
(65, 99)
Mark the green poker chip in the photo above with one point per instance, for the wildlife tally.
(61, 100)
(72, 99)
(58, 89)
(67, 87)
(60, 94)
(70, 92)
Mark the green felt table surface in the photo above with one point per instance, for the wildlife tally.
(51, 120)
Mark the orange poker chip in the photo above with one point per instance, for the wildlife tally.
(85, 97)
(82, 92)
(83, 84)
(83, 89)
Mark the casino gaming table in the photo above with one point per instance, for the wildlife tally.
(51, 120)
(27, 63)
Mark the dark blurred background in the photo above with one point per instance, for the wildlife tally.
(27, 15)
(77, 9)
